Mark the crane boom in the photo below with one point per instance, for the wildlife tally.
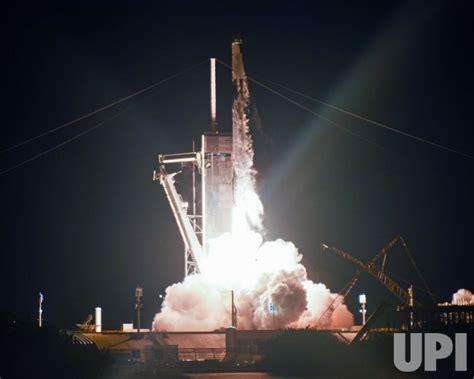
(180, 212)
(383, 252)
(338, 300)
(388, 282)
(347, 256)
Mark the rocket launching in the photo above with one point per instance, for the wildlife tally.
(270, 284)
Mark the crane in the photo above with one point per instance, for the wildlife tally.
(377, 273)
(339, 299)
(325, 317)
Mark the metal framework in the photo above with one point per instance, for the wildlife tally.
(187, 224)
(372, 269)
(214, 163)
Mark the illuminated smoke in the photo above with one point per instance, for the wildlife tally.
(270, 284)
(261, 274)
(463, 297)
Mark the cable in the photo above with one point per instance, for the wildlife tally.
(55, 147)
(102, 108)
(384, 126)
(307, 109)
(70, 139)
(386, 249)
(415, 266)
(51, 149)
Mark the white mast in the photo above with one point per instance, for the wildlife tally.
(213, 96)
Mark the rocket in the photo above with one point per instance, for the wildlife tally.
(238, 72)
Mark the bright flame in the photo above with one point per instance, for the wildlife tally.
(260, 273)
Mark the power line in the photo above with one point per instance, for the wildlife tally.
(355, 115)
(55, 147)
(307, 109)
(102, 108)
(366, 119)
(372, 121)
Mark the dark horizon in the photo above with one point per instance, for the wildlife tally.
(85, 224)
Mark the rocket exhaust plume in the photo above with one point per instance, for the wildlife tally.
(248, 209)
(271, 286)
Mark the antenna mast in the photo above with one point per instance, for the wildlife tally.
(138, 305)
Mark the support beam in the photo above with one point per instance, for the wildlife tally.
(180, 212)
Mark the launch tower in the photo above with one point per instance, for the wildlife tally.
(214, 164)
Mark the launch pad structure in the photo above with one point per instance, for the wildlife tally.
(213, 165)
(208, 216)
(216, 168)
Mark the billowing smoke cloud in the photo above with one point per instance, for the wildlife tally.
(463, 297)
(270, 285)
(263, 275)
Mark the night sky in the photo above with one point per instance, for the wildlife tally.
(85, 223)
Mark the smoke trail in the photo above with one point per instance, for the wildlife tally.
(248, 209)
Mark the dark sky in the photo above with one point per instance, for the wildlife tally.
(85, 224)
